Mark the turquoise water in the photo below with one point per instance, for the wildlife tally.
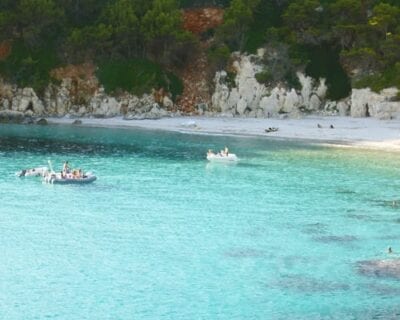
(162, 234)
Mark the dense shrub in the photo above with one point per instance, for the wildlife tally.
(137, 76)
(29, 67)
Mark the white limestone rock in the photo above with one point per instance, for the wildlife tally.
(132, 102)
(273, 103)
(322, 89)
(241, 106)
(26, 99)
(221, 94)
(248, 96)
(231, 103)
(315, 103)
(156, 112)
(306, 87)
(343, 107)
(167, 102)
(365, 102)
(248, 87)
(105, 108)
(292, 101)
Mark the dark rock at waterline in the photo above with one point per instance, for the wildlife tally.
(10, 116)
(42, 122)
(28, 120)
(77, 122)
(380, 268)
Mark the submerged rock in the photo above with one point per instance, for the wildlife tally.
(380, 268)
(42, 122)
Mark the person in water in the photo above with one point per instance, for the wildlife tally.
(210, 152)
(226, 151)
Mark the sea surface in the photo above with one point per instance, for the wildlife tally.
(164, 234)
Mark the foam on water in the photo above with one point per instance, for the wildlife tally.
(163, 234)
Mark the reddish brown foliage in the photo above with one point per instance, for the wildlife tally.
(200, 20)
(5, 49)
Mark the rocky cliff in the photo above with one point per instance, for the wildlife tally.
(79, 94)
(247, 97)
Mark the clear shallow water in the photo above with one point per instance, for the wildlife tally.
(162, 234)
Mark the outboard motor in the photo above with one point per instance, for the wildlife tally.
(21, 173)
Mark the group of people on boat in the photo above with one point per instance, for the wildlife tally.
(65, 176)
(222, 153)
(67, 173)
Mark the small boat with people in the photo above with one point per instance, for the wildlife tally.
(222, 156)
(59, 178)
(68, 176)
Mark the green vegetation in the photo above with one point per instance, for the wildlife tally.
(264, 77)
(379, 81)
(324, 63)
(137, 76)
(28, 66)
(348, 42)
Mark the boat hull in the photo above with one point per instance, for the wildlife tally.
(59, 180)
(222, 158)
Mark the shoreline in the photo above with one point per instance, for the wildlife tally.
(363, 133)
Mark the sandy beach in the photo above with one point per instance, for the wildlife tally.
(338, 131)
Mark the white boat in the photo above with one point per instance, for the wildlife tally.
(56, 178)
(34, 172)
(230, 157)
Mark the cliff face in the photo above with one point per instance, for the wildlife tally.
(79, 94)
(247, 97)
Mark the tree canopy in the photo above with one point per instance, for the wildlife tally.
(360, 39)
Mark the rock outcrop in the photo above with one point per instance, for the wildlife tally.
(366, 103)
(79, 94)
(247, 97)
(10, 116)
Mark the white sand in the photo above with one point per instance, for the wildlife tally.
(355, 132)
